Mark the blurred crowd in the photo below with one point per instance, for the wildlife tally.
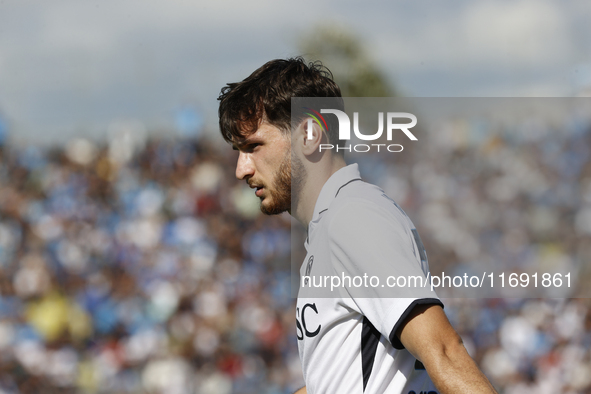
(143, 266)
(150, 272)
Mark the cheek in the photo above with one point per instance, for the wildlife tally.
(281, 158)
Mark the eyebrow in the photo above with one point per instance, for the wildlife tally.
(238, 145)
(246, 141)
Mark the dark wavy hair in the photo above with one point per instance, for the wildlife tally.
(266, 96)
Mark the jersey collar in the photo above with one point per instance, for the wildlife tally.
(332, 187)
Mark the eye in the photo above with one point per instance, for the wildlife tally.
(252, 147)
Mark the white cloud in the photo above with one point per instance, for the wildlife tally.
(66, 63)
(524, 33)
(508, 34)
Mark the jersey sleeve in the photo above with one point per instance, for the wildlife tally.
(378, 245)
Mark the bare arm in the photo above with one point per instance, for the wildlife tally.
(429, 336)
(301, 391)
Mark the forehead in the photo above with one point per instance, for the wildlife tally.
(266, 132)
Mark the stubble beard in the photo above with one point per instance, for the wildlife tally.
(289, 181)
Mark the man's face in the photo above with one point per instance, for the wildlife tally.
(264, 161)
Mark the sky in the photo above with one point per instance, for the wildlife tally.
(71, 68)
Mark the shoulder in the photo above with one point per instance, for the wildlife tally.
(360, 204)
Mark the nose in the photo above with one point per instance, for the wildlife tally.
(244, 166)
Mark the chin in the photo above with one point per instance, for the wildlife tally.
(272, 208)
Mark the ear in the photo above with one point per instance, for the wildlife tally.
(309, 136)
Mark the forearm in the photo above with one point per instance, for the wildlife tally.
(454, 371)
(428, 336)
(301, 391)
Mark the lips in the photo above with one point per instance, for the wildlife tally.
(259, 189)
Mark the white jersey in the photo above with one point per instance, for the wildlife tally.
(346, 338)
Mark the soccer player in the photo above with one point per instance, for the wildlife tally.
(381, 341)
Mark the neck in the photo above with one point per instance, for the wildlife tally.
(317, 175)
